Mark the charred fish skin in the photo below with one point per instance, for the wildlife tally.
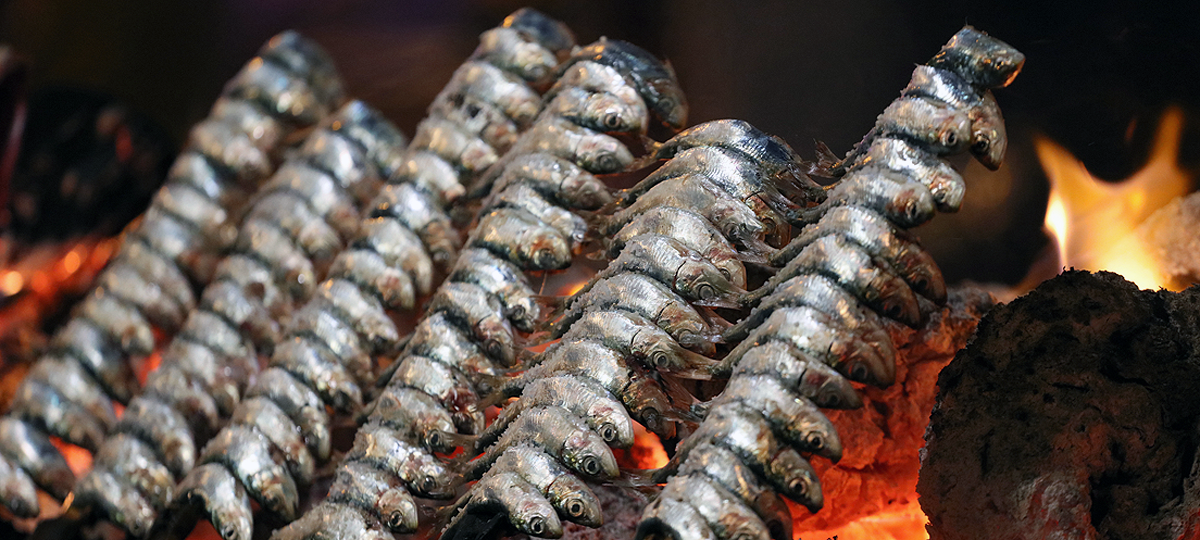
(173, 248)
(392, 252)
(833, 287)
(234, 320)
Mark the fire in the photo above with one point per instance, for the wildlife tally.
(1094, 223)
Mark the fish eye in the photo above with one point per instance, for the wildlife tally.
(607, 163)
(429, 483)
(537, 526)
(228, 532)
(494, 348)
(798, 486)
(395, 521)
(608, 432)
(612, 120)
(725, 272)
(892, 311)
(591, 466)
(706, 291)
(435, 439)
(815, 441)
(951, 138)
(659, 359)
(831, 399)
(575, 507)
(859, 372)
(980, 146)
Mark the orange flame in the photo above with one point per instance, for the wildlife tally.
(1094, 222)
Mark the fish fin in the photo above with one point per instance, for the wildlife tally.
(639, 480)
(716, 303)
(827, 161)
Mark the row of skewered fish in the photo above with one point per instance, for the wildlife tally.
(847, 272)
(323, 363)
(678, 242)
(148, 288)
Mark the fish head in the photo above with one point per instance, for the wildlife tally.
(548, 32)
(609, 419)
(989, 138)
(534, 61)
(945, 184)
(922, 273)
(648, 403)
(583, 190)
(817, 435)
(542, 248)
(982, 60)
(533, 515)
(496, 335)
(431, 478)
(398, 511)
(861, 360)
(798, 479)
(703, 281)
(523, 311)
(585, 452)
(912, 205)
(601, 154)
(829, 390)
(607, 113)
(573, 499)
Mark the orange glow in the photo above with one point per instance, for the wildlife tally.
(78, 459)
(646, 453)
(897, 522)
(1094, 222)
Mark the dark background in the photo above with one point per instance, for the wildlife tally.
(1098, 76)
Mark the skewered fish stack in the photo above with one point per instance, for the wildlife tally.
(299, 220)
(529, 222)
(148, 288)
(853, 267)
(323, 360)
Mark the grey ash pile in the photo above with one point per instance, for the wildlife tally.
(1072, 414)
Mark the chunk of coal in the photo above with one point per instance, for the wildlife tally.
(1072, 414)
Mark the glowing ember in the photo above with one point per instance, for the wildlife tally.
(898, 522)
(1093, 222)
(646, 453)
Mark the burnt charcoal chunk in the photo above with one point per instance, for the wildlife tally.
(1072, 414)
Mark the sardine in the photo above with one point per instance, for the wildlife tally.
(415, 210)
(569, 495)
(430, 174)
(690, 229)
(569, 225)
(670, 518)
(988, 137)
(696, 193)
(344, 160)
(478, 119)
(654, 80)
(770, 154)
(316, 368)
(424, 474)
(727, 516)
(980, 59)
(502, 279)
(494, 85)
(599, 111)
(794, 418)
(212, 492)
(883, 240)
(557, 179)
(519, 236)
(516, 498)
(646, 297)
(292, 269)
(560, 434)
(414, 416)
(287, 96)
(453, 143)
(99, 353)
(476, 310)
(246, 453)
(300, 403)
(401, 248)
(594, 77)
(509, 49)
(582, 396)
(267, 418)
(121, 321)
(439, 339)
(723, 467)
(815, 333)
(370, 272)
(638, 337)
(449, 386)
(319, 240)
(852, 268)
(675, 265)
(363, 312)
(944, 183)
(164, 428)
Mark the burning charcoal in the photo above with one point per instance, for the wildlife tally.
(1071, 414)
